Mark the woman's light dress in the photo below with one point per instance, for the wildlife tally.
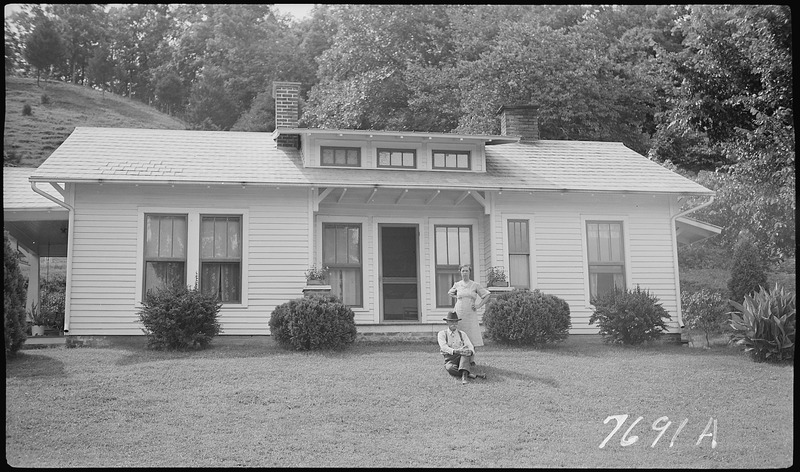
(468, 294)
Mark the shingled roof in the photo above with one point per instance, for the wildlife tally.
(224, 157)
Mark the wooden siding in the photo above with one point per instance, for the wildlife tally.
(279, 244)
(558, 252)
(106, 233)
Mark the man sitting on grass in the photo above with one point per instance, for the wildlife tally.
(457, 349)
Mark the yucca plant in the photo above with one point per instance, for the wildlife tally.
(765, 324)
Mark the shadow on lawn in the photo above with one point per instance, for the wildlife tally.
(26, 365)
(497, 374)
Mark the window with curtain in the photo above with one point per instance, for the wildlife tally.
(519, 254)
(221, 257)
(164, 251)
(606, 256)
(341, 253)
(453, 248)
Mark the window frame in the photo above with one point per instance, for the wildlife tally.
(213, 260)
(450, 268)
(378, 152)
(143, 253)
(322, 149)
(193, 247)
(625, 249)
(513, 219)
(451, 151)
(360, 225)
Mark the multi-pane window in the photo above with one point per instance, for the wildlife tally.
(221, 257)
(451, 160)
(453, 248)
(341, 253)
(397, 158)
(340, 156)
(606, 257)
(519, 254)
(164, 251)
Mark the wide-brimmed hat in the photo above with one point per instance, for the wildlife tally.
(452, 316)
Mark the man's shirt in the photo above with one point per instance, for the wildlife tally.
(450, 340)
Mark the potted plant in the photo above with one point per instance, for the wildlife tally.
(316, 276)
(497, 277)
(38, 320)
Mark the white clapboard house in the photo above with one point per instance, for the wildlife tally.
(391, 214)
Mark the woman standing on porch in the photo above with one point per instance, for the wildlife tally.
(469, 297)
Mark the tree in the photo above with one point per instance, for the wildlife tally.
(731, 111)
(14, 294)
(43, 47)
(12, 48)
(80, 27)
(748, 272)
(169, 91)
(101, 68)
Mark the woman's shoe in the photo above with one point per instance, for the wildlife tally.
(483, 375)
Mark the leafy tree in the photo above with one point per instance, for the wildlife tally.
(101, 68)
(43, 47)
(169, 91)
(80, 25)
(748, 272)
(14, 294)
(12, 48)
(210, 107)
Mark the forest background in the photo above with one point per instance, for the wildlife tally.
(705, 90)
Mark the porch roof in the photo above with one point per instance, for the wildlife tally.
(224, 157)
(34, 221)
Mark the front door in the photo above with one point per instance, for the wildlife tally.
(398, 272)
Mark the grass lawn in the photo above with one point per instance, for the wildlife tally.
(245, 402)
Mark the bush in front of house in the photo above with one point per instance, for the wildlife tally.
(14, 295)
(179, 317)
(748, 270)
(313, 323)
(629, 317)
(765, 324)
(527, 317)
(705, 310)
(51, 304)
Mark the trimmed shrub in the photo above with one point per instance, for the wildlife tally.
(313, 323)
(179, 317)
(14, 295)
(765, 324)
(527, 317)
(27, 110)
(629, 316)
(45, 99)
(705, 310)
(748, 271)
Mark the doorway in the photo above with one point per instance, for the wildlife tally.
(399, 274)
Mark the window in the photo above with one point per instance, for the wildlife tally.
(453, 248)
(164, 251)
(519, 254)
(341, 252)
(397, 158)
(606, 257)
(340, 156)
(451, 160)
(221, 257)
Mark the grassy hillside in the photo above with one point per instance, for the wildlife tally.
(33, 138)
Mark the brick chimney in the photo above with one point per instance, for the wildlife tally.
(519, 120)
(287, 111)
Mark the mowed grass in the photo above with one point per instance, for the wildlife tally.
(246, 402)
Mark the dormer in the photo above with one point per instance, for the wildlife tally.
(370, 149)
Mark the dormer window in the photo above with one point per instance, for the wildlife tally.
(404, 158)
(340, 156)
(452, 160)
